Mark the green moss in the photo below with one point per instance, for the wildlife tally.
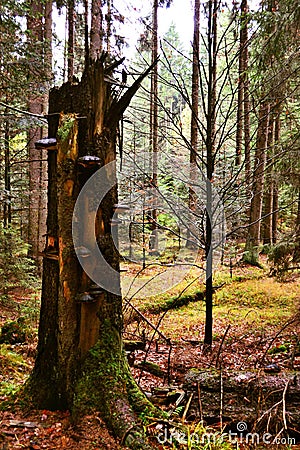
(283, 348)
(104, 371)
(66, 128)
(106, 385)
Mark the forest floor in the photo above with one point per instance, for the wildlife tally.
(256, 323)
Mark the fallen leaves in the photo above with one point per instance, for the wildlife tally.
(52, 430)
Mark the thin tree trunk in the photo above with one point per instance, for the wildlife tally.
(247, 133)
(275, 203)
(275, 181)
(48, 42)
(108, 25)
(7, 217)
(243, 66)
(267, 232)
(296, 256)
(210, 154)
(253, 238)
(195, 113)
(153, 242)
(246, 94)
(195, 86)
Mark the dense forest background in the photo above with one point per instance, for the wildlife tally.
(227, 105)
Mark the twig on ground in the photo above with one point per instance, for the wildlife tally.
(268, 411)
(220, 348)
(287, 324)
(199, 401)
(187, 406)
(284, 405)
(275, 440)
(221, 398)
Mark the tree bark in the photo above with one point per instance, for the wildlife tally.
(275, 200)
(73, 360)
(210, 157)
(7, 216)
(108, 25)
(195, 86)
(37, 168)
(275, 203)
(153, 241)
(71, 39)
(243, 66)
(194, 115)
(96, 30)
(253, 238)
(296, 256)
(267, 231)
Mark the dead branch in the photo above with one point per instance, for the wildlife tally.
(287, 324)
(284, 405)
(221, 345)
(187, 407)
(147, 320)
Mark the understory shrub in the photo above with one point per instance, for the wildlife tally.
(16, 269)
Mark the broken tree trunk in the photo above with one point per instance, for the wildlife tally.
(81, 363)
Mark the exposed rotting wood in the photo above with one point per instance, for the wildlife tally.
(89, 325)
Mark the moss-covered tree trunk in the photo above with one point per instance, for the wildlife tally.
(80, 362)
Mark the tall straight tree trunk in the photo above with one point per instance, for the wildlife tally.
(153, 243)
(275, 201)
(96, 30)
(242, 95)
(86, 32)
(195, 112)
(195, 85)
(253, 238)
(275, 204)
(267, 231)
(108, 25)
(47, 65)
(296, 256)
(71, 39)
(35, 106)
(210, 155)
(7, 213)
(247, 131)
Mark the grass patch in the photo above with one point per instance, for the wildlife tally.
(250, 300)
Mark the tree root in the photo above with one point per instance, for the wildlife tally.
(106, 385)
